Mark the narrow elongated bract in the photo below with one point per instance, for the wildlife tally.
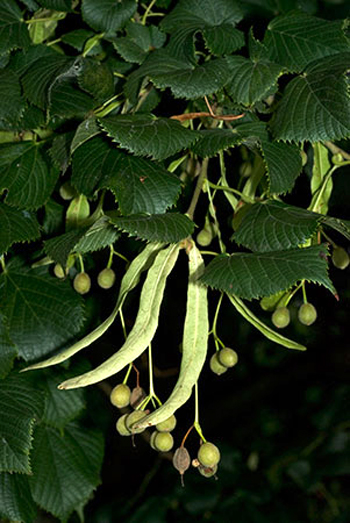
(130, 280)
(194, 345)
(145, 325)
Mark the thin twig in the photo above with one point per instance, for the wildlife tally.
(201, 114)
(335, 150)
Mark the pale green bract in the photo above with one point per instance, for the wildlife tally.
(130, 280)
(194, 345)
(145, 324)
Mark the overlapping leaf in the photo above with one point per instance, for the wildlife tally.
(42, 313)
(12, 104)
(8, 350)
(187, 80)
(283, 164)
(296, 39)
(213, 141)
(107, 15)
(140, 40)
(213, 18)
(16, 502)
(85, 130)
(251, 80)
(252, 275)
(168, 228)
(16, 226)
(67, 101)
(100, 235)
(146, 135)
(13, 31)
(25, 174)
(57, 5)
(65, 468)
(20, 404)
(97, 79)
(315, 106)
(273, 225)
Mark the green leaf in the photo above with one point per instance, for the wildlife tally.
(20, 404)
(84, 239)
(273, 225)
(57, 5)
(100, 235)
(107, 15)
(146, 135)
(339, 225)
(65, 468)
(42, 313)
(59, 248)
(25, 175)
(140, 40)
(61, 407)
(13, 32)
(169, 228)
(296, 39)
(85, 130)
(16, 502)
(251, 80)
(187, 80)
(142, 186)
(8, 350)
(283, 164)
(315, 106)
(213, 18)
(223, 39)
(139, 185)
(43, 73)
(10, 92)
(67, 101)
(77, 38)
(252, 275)
(16, 226)
(213, 141)
(60, 150)
(97, 80)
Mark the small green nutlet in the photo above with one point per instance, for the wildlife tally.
(167, 425)
(67, 191)
(227, 357)
(340, 258)
(152, 438)
(208, 455)
(132, 420)
(204, 237)
(216, 366)
(106, 278)
(307, 314)
(281, 317)
(120, 396)
(121, 427)
(82, 283)
(59, 272)
(163, 441)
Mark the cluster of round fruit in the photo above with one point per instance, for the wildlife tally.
(307, 315)
(82, 281)
(222, 360)
(161, 439)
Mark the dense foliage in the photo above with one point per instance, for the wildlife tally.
(134, 138)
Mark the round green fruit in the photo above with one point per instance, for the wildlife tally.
(340, 258)
(106, 278)
(121, 427)
(163, 441)
(152, 438)
(204, 237)
(59, 272)
(208, 455)
(227, 357)
(67, 192)
(216, 366)
(281, 317)
(208, 472)
(167, 425)
(132, 419)
(82, 283)
(120, 396)
(307, 314)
